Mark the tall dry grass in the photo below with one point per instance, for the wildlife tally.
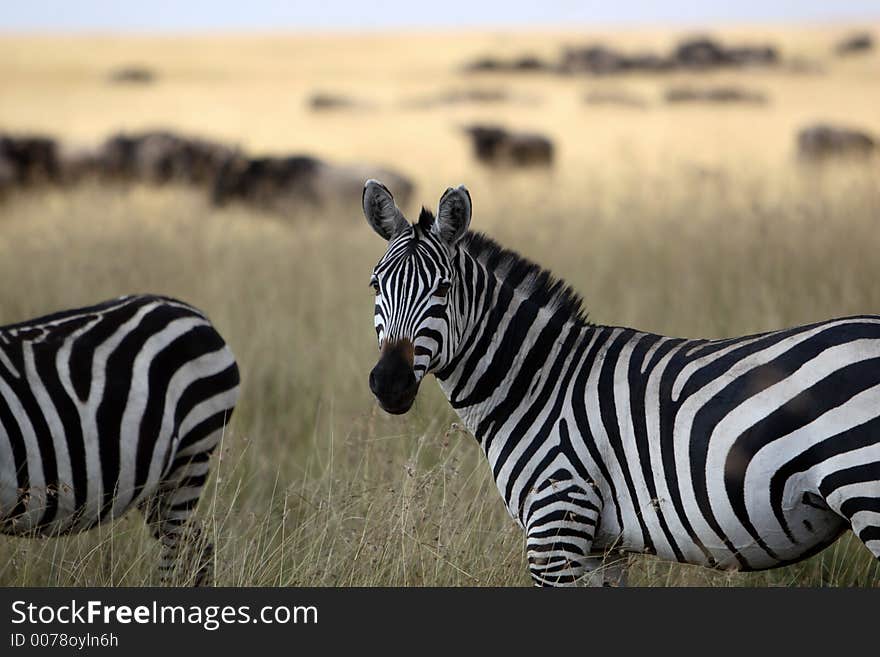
(689, 222)
(314, 485)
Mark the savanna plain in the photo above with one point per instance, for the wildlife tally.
(693, 221)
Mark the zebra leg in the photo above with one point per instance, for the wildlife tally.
(853, 493)
(561, 522)
(863, 514)
(187, 555)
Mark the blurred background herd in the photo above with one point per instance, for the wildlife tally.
(705, 180)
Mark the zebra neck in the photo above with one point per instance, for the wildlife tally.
(509, 358)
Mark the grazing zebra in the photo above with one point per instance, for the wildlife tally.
(109, 407)
(740, 454)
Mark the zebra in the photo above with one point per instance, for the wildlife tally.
(740, 454)
(110, 407)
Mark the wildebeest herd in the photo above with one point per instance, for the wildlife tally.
(496, 145)
(493, 144)
(224, 172)
(278, 183)
(227, 175)
(499, 146)
(698, 53)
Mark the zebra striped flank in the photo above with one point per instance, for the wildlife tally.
(110, 407)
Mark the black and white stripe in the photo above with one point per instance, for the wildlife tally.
(744, 454)
(109, 407)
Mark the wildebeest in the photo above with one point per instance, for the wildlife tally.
(262, 180)
(596, 59)
(161, 157)
(495, 145)
(859, 42)
(822, 141)
(718, 95)
(280, 183)
(27, 160)
(78, 163)
(321, 101)
(602, 60)
(650, 62)
(697, 53)
(131, 75)
(529, 63)
(7, 175)
(462, 96)
(521, 63)
(705, 52)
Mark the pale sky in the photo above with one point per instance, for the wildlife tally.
(198, 15)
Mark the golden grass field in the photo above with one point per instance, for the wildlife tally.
(692, 221)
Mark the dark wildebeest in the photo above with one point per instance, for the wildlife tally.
(131, 75)
(494, 145)
(860, 42)
(28, 160)
(325, 101)
(597, 59)
(706, 53)
(262, 180)
(7, 175)
(821, 141)
(525, 63)
(281, 183)
(701, 53)
(161, 157)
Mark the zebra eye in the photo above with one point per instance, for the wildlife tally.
(442, 289)
(375, 285)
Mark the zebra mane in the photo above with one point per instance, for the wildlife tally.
(540, 284)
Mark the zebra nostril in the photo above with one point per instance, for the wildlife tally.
(373, 382)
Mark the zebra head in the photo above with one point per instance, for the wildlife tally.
(415, 284)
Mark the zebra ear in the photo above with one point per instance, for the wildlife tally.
(453, 215)
(381, 211)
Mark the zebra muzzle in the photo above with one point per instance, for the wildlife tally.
(393, 381)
